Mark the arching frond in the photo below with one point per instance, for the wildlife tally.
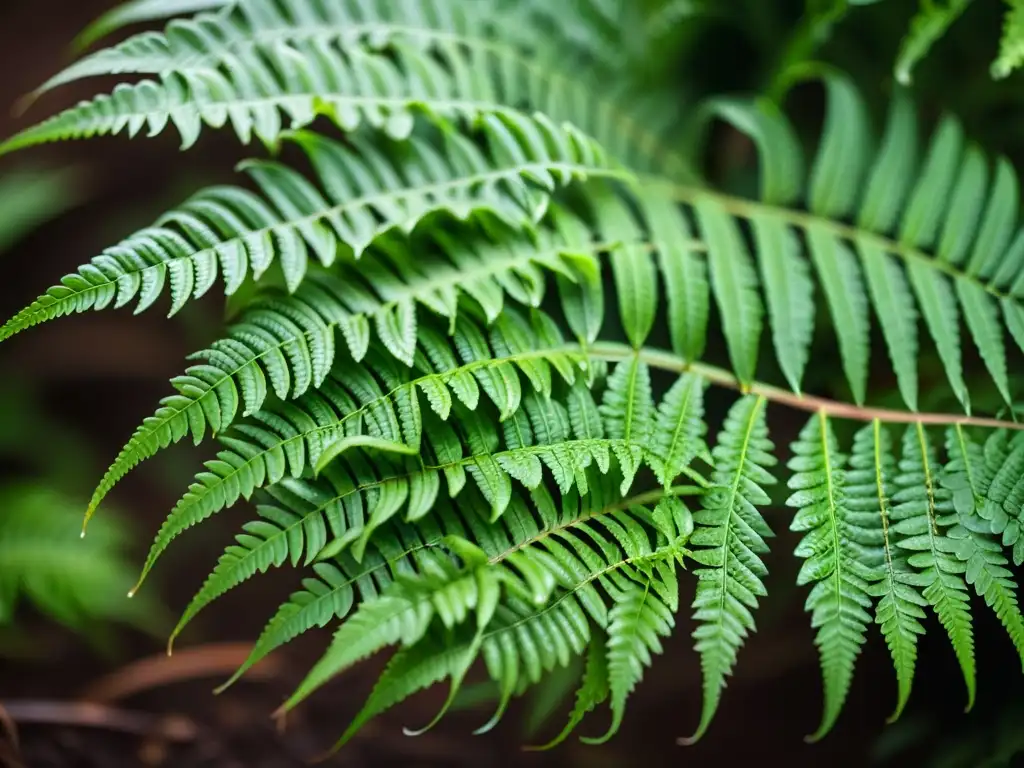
(374, 60)
(139, 11)
(285, 344)
(937, 239)
(361, 195)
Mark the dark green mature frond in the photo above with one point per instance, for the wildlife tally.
(922, 517)
(361, 195)
(728, 541)
(375, 60)
(612, 551)
(1002, 489)
(969, 479)
(284, 344)
(869, 489)
(940, 237)
(839, 600)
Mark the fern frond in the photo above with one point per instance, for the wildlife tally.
(1011, 46)
(268, 351)
(969, 479)
(566, 560)
(363, 194)
(405, 610)
(80, 585)
(1001, 507)
(375, 60)
(922, 516)
(547, 434)
(939, 237)
(270, 87)
(869, 487)
(637, 619)
(728, 542)
(138, 11)
(839, 600)
(926, 28)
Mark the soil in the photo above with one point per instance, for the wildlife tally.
(100, 375)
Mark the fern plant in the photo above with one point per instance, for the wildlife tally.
(445, 391)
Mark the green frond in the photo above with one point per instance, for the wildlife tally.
(285, 344)
(927, 27)
(42, 562)
(593, 691)
(271, 88)
(967, 477)
(355, 60)
(443, 387)
(411, 669)
(935, 236)
(404, 611)
(869, 487)
(922, 516)
(139, 11)
(637, 619)
(838, 600)
(517, 651)
(362, 194)
(1011, 46)
(728, 542)
(326, 597)
(563, 437)
(1001, 505)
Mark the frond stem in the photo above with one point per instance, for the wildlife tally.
(803, 220)
(668, 361)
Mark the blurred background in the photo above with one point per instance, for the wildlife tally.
(94, 687)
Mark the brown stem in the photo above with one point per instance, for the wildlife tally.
(215, 660)
(87, 714)
(667, 361)
(10, 730)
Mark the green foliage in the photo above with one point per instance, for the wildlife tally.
(31, 197)
(443, 388)
(42, 564)
(78, 584)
